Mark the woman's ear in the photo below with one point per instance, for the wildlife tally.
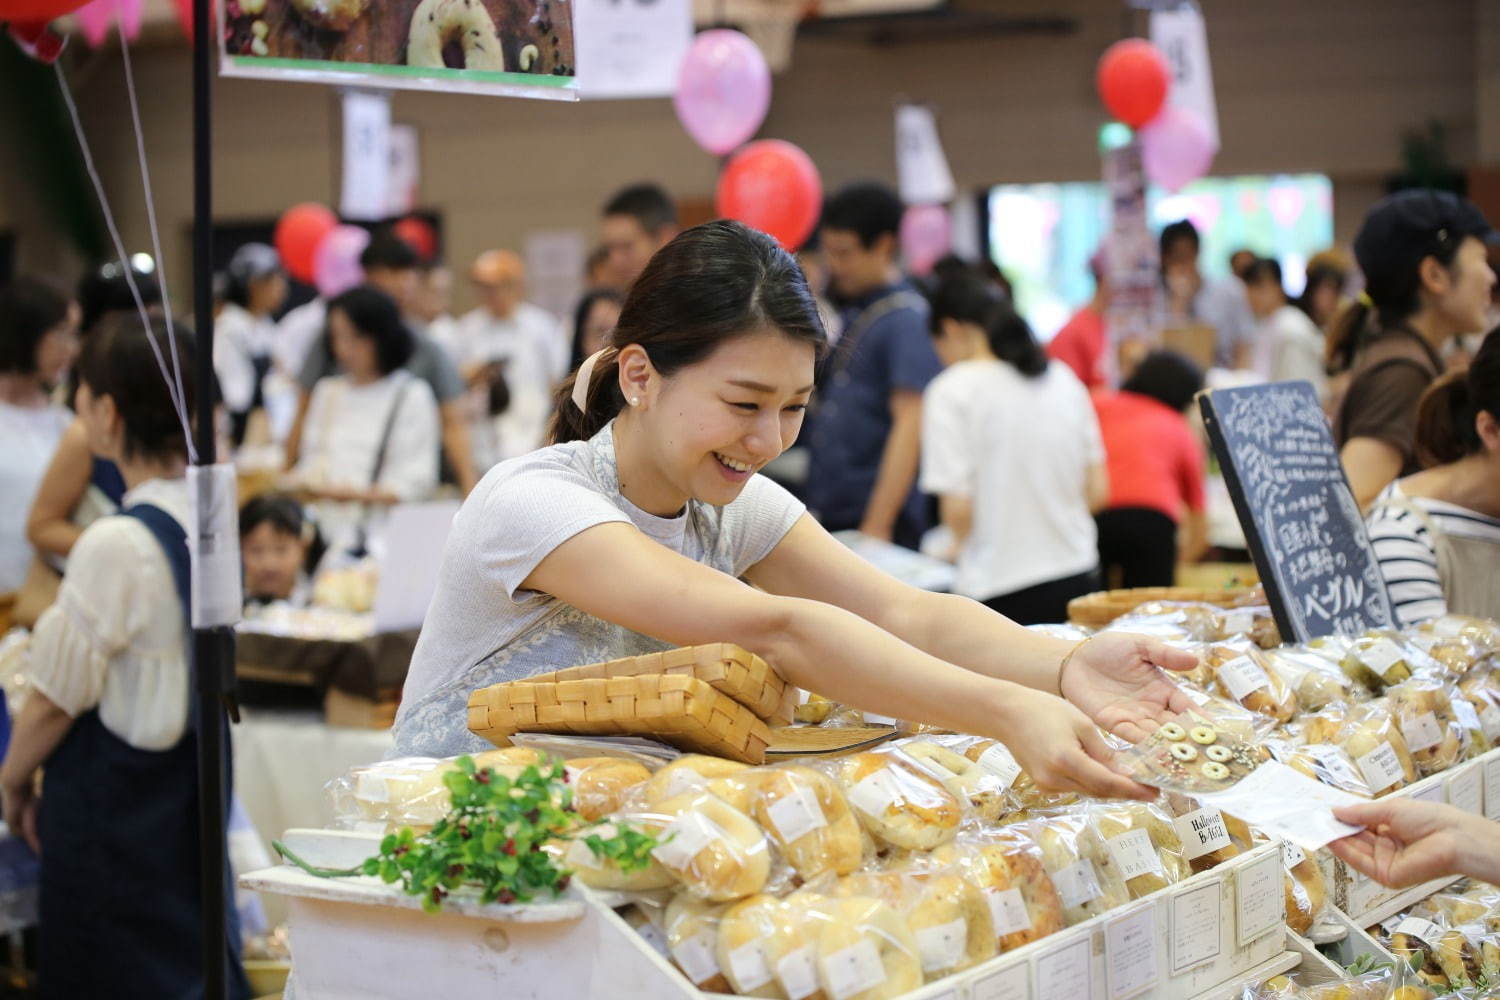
(1489, 431)
(637, 374)
(1433, 277)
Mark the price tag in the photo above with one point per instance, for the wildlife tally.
(1013, 983)
(696, 956)
(1243, 677)
(1382, 655)
(1260, 899)
(1463, 711)
(798, 973)
(684, 837)
(1066, 973)
(1201, 833)
(371, 786)
(942, 946)
(1364, 893)
(1429, 793)
(1007, 911)
(1077, 884)
(1381, 768)
(1333, 766)
(1449, 626)
(1130, 951)
(853, 970)
(1425, 930)
(797, 814)
(998, 761)
(1422, 732)
(1195, 926)
(1291, 855)
(1134, 856)
(1466, 791)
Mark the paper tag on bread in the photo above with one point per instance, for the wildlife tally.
(696, 955)
(684, 837)
(798, 973)
(1422, 732)
(1424, 930)
(1007, 911)
(1243, 677)
(999, 761)
(1134, 855)
(942, 946)
(796, 814)
(1464, 712)
(1202, 832)
(853, 969)
(1381, 768)
(1382, 655)
(1333, 766)
(1291, 855)
(747, 964)
(1077, 884)
(1238, 623)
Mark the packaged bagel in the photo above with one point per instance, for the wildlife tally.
(1240, 673)
(897, 802)
(1006, 866)
(691, 928)
(1373, 740)
(696, 773)
(1306, 889)
(740, 951)
(1143, 843)
(805, 814)
(1208, 836)
(1379, 659)
(411, 791)
(866, 951)
(1087, 879)
(1415, 940)
(947, 915)
(1325, 762)
(1480, 688)
(601, 784)
(604, 874)
(1182, 621)
(1424, 713)
(715, 851)
(1316, 680)
(983, 781)
(1482, 635)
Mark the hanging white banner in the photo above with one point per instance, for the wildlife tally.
(921, 166)
(406, 170)
(631, 48)
(1183, 40)
(365, 193)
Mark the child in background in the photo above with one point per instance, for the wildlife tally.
(280, 547)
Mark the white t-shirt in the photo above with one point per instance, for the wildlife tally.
(30, 438)
(1290, 346)
(115, 638)
(482, 628)
(1020, 448)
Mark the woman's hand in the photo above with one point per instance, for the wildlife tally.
(20, 803)
(1407, 842)
(1061, 749)
(1117, 679)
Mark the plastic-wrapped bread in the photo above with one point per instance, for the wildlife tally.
(1460, 959)
(600, 784)
(602, 873)
(744, 928)
(715, 851)
(1208, 837)
(970, 781)
(1143, 844)
(1241, 675)
(1424, 713)
(948, 916)
(1306, 889)
(1025, 796)
(412, 791)
(1379, 659)
(692, 932)
(791, 949)
(1315, 680)
(866, 951)
(1325, 762)
(804, 812)
(1372, 739)
(1006, 866)
(1088, 881)
(899, 804)
(695, 773)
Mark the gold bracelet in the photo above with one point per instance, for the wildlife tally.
(1064, 664)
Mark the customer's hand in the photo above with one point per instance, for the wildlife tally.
(20, 804)
(1062, 750)
(1118, 680)
(1407, 842)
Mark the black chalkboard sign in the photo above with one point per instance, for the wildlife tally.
(1300, 517)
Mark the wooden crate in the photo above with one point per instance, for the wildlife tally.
(1098, 609)
(675, 708)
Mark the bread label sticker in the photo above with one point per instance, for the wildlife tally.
(580, 855)
(371, 787)
(1134, 856)
(1422, 732)
(1202, 832)
(1464, 712)
(683, 779)
(1007, 911)
(696, 955)
(1424, 930)
(747, 964)
(998, 761)
(1238, 623)
(684, 837)
(942, 947)
(797, 814)
(1382, 655)
(1243, 677)
(1292, 855)
(1077, 884)
(1381, 767)
(853, 969)
(1333, 766)
(798, 973)
(875, 793)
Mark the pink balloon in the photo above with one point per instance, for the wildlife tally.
(94, 20)
(336, 260)
(926, 235)
(1176, 148)
(723, 90)
(131, 12)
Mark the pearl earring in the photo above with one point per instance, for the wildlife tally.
(634, 401)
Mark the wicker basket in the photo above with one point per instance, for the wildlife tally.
(727, 668)
(1099, 609)
(676, 708)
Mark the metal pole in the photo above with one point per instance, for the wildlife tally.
(209, 644)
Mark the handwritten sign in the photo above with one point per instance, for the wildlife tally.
(1299, 516)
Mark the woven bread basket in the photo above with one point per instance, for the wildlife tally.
(675, 708)
(1099, 609)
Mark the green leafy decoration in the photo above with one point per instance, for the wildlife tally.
(492, 839)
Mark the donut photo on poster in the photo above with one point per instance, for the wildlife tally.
(517, 47)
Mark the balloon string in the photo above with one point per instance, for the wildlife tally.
(114, 232)
(161, 264)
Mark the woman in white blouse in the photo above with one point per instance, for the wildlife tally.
(108, 715)
(372, 434)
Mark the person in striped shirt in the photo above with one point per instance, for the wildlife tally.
(1436, 534)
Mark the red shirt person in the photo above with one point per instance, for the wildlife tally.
(1083, 339)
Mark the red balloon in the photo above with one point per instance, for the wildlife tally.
(185, 17)
(419, 235)
(1133, 79)
(37, 10)
(772, 186)
(298, 232)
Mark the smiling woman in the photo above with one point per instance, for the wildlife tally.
(639, 527)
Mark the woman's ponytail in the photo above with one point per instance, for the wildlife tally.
(602, 400)
(1346, 335)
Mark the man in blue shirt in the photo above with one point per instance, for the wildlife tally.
(864, 438)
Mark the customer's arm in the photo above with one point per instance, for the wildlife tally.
(1407, 842)
(40, 727)
(49, 527)
(1378, 424)
(898, 465)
